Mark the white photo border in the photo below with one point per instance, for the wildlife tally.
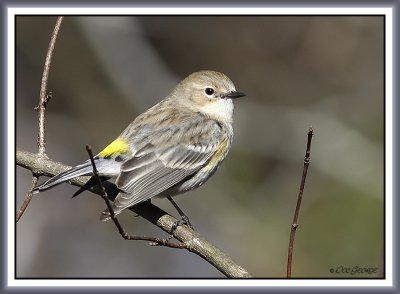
(12, 8)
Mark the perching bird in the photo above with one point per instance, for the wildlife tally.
(173, 147)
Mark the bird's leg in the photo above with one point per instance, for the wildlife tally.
(184, 219)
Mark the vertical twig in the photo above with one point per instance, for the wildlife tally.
(44, 97)
(153, 240)
(299, 198)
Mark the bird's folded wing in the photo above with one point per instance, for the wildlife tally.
(153, 170)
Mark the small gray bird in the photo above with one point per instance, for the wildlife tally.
(173, 147)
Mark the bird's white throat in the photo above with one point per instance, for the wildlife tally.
(220, 110)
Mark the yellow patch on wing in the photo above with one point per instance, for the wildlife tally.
(118, 146)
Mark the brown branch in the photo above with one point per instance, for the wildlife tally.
(44, 97)
(299, 198)
(193, 241)
(153, 240)
(27, 199)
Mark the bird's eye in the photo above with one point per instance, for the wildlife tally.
(209, 91)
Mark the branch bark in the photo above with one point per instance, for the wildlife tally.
(295, 224)
(44, 97)
(194, 242)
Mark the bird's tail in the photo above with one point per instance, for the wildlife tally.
(83, 169)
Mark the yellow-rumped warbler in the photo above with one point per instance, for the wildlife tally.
(173, 147)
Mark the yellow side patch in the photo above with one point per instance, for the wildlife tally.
(117, 147)
(218, 155)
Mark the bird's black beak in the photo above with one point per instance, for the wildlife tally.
(234, 95)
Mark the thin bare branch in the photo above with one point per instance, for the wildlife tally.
(295, 224)
(44, 96)
(27, 199)
(193, 241)
(153, 240)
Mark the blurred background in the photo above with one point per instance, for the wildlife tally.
(297, 71)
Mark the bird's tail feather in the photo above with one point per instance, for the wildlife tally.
(83, 169)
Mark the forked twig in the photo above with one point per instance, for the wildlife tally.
(153, 240)
(299, 198)
(44, 97)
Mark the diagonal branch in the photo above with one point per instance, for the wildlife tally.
(153, 240)
(192, 240)
(27, 199)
